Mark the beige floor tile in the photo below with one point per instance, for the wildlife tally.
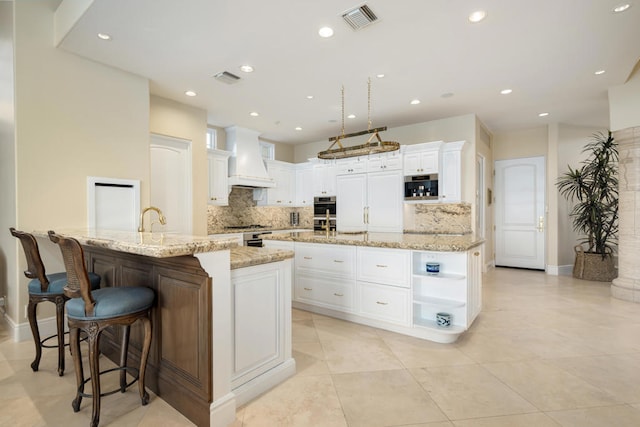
(617, 375)
(490, 347)
(606, 416)
(385, 398)
(470, 391)
(335, 329)
(524, 420)
(303, 331)
(297, 315)
(310, 359)
(358, 355)
(549, 387)
(436, 424)
(419, 353)
(299, 402)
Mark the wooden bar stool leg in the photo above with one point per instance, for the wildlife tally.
(94, 365)
(60, 324)
(124, 351)
(144, 396)
(74, 340)
(33, 322)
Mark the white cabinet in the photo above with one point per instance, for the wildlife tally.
(370, 202)
(261, 320)
(283, 194)
(451, 176)
(384, 161)
(420, 159)
(351, 166)
(455, 290)
(384, 282)
(218, 161)
(325, 275)
(304, 184)
(324, 179)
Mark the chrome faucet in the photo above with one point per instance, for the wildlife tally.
(161, 217)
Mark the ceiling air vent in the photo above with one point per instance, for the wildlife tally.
(226, 77)
(359, 17)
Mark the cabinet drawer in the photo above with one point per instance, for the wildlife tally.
(386, 303)
(385, 266)
(382, 163)
(351, 167)
(322, 291)
(337, 260)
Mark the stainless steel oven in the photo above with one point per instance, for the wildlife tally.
(324, 210)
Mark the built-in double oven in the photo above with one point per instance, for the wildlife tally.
(324, 212)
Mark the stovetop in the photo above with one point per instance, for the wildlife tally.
(247, 227)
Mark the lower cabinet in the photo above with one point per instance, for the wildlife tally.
(390, 288)
(260, 304)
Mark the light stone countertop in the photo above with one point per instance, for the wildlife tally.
(413, 241)
(246, 256)
(157, 245)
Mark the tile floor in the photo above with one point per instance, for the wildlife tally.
(545, 351)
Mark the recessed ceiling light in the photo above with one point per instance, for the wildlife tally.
(446, 95)
(246, 68)
(351, 116)
(104, 36)
(597, 73)
(254, 114)
(380, 76)
(309, 96)
(543, 114)
(506, 91)
(298, 128)
(325, 32)
(415, 102)
(477, 16)
(621, 7)
(190, 93)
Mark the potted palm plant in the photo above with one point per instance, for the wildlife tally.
(593, 187)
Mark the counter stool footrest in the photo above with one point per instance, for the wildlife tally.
(133, 371)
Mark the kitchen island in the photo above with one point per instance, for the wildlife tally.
(382, 280)
(203, 360)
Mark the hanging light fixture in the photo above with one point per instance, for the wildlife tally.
(369, 147)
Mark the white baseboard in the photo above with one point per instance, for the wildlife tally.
(22, 331)
(560, 270)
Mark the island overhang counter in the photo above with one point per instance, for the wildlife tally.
(192, 364)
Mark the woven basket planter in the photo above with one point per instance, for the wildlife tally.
(592, 266)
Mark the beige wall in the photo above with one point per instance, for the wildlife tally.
(74, 118)
(520, 144)
(171, 118)
(8, 244)
(624, 103)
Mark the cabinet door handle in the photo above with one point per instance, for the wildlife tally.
(381, 265)
(337, 260)
(338, 295)
(476, 254)
(214, 198)
(308, 257)
(382, 303)
(308, 289)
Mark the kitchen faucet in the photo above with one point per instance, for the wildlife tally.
(161, 217)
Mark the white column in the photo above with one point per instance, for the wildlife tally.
(627, 285)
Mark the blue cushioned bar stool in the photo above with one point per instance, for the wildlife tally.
(93, 311)
(45, 287)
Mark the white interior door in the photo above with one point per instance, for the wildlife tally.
(519, 210)
(171, 183)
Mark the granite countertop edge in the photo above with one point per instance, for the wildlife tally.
(247, 256)
(410, 241)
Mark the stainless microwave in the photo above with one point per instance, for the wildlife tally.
(421, 187)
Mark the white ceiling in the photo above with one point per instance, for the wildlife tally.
(546, 51)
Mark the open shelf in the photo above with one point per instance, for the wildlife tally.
(437, 302)
(431, 324)
(439, 276)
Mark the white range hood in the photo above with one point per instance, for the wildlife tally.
(246, 167)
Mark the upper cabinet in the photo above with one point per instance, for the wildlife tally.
(284, 193)
(304, 184)
(384, 161)
(324, 178)
(218, 177)
(420, 159)
(451, 176)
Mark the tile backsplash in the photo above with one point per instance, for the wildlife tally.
(418, 218)
(243, 210)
